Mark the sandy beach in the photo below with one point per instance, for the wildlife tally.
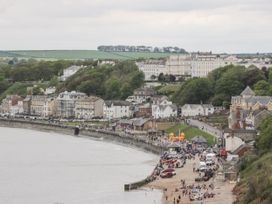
(222, 190)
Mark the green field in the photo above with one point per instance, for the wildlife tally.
(190, 132)
(80, 54)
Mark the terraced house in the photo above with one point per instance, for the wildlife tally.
(65, 103)
(89, 107)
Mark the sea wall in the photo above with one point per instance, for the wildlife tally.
(93, 133)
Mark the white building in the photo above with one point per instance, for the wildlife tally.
(141, 95)
(197, 110)
(89, 107)
(49, 108)
(70, 71)
(116, 109)
(50, 90)
(66, 103)
(12, 105)
(204, 64)
(178, 65)
(152, 68)
(232, 142)
(164, 109)
(195, 65)
(16, 109)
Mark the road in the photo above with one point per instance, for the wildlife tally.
(206, 128)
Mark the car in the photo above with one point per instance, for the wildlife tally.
(202, 167)
(167, 175)
(169, 161)
(210, 162)
(168, 170)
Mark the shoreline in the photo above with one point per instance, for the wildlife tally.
(101, 135)
(108, 136)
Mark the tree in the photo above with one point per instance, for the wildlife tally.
(195, 90)
(172, 78)
(54, 81)
(228, 86)
(219, 99)
(161, 77)
(37, 90)
(261, 88)
(113, 87)
(264, 140)
(153, 77)
(252, 76)
(270, 75)
(126, 91)
(137, 80)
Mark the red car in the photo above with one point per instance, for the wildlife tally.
(168, 170)
(169, 161)
(167, 175)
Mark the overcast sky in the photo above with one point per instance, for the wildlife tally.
(196, 25)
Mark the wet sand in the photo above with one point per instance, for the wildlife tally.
(222, 190)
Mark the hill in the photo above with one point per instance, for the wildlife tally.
(80, 54)
(255, 185)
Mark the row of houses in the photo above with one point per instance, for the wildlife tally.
(79, 105)
(144, 103)
(65, 105)
(194, 64)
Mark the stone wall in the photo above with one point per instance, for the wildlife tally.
(101, 134)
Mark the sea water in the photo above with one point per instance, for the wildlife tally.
(49, 168)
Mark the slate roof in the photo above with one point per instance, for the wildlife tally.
(248, 92)
(140, 121)
(117, 103)
(261, 99)
(163, 107)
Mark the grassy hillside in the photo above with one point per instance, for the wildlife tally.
(255, 186)
(256, 181)
(190, 132)
(17, 88)
(80, 54)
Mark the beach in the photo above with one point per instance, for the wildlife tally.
(222, 189)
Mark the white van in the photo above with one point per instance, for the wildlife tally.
(202, 166)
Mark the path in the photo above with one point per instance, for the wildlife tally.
(206, 128)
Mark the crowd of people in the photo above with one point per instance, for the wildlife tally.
(199, 190)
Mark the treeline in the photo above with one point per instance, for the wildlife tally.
(222, 83)
(255, 185)
(108, 82)
(17, 74)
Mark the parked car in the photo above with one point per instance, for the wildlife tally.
(210, 162)
(167, 175)
(169, 171)
(202, 167)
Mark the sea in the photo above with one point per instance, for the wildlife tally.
(49, 168)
